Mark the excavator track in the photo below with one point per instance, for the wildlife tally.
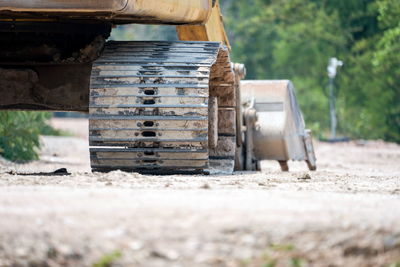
(149, 106)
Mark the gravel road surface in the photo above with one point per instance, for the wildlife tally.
(345, 214)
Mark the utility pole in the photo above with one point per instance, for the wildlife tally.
(334, 63)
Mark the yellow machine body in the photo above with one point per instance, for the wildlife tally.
(199, 20)
(213, 30)
(122, 11)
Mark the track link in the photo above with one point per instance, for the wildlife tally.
(149, 107)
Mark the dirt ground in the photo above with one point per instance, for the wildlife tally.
(345, 214)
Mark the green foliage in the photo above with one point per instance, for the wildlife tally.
(288, 39)
(270, 263)
(282, 247)
(277, 255)
(387, 64)
(298, 262)
(19, 134)
(108, 259)
(371, 106)
(293, 39)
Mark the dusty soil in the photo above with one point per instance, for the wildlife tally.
(345, 214)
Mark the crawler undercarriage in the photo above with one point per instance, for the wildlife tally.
(154, 107)
(162, 107)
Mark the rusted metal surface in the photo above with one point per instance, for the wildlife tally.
(23, 49)
(149, 106)
(222, 86)
(311, 158)
(227, 121)
(284, 165)
(240, 73)
(213, 122)
(60, 87)
(48, 70)
(250, 119)
(146, 11)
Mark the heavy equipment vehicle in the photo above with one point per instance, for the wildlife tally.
(154, 106)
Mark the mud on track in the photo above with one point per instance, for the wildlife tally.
(345, 214)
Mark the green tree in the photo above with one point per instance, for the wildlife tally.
(293, 39)
(387, 64)
(19, 134)
(288, 39)
(371, 99)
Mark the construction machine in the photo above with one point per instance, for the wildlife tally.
(154, 106)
